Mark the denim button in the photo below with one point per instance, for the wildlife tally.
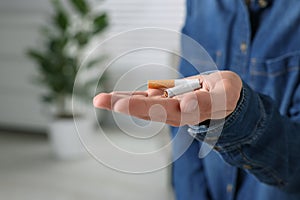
(247, 167)
(229, 188)
(243, 47)
(263, 3)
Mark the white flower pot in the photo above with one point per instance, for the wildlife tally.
(65, 140)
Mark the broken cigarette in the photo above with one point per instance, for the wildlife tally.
(159, 84)
(190, 86)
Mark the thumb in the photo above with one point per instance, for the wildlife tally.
(189, 102)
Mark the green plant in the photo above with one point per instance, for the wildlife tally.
(65, 39)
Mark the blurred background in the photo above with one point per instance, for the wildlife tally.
(41, 156)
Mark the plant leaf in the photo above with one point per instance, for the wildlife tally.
(100, 23)
(93, 62)
(37, 56)
(60, 19)
(56, 45)
(82, 38)
(81, 6)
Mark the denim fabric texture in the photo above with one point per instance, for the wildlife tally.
(257, 155)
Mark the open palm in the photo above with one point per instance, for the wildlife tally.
(216, 99)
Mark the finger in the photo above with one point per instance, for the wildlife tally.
(199, 106)
(106, 100)
(193, 101)
(103, 101)
(214, 104)
(155, 92)
(140, 107)
(130, 93)
(231, 94)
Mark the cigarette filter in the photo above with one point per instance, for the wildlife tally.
(159, 84)
(192, 85)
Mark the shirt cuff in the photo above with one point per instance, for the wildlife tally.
(236, 129)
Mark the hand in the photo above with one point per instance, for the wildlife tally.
(216, 99)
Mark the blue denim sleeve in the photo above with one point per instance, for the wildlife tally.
(256, 138)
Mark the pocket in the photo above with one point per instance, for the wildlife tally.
(276, 77)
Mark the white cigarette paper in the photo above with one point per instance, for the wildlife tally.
(158, 84)
(186, 86)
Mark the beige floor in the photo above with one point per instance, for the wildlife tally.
(28, 171)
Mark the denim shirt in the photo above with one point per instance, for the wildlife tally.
(257, 155)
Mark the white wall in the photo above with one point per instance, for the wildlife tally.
(19, 22)
(19, 103)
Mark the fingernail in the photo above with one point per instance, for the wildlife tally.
(190, 106)
(95, 100)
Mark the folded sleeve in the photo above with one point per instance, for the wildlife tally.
(257, 138)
